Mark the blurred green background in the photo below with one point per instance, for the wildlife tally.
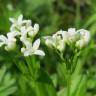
(51, 15)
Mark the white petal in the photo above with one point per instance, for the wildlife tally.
(49, 42)
(23, 49)
(10, 46)
(30, 28)
(36, 27)
(12, 34)
(28, 22)
(39, 52)
(34, 30)
(85, 34)
(30, 31)
(61, 46)
(20, 18)
(3, 39)
(28, 45)
(71, 31)
(12, 28)
(23, 30)
(36, 44)
(27, 53)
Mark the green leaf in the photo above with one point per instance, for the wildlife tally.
(62, 72)
(91, 20)
(78, 85)
(45, 86)
(7, 83)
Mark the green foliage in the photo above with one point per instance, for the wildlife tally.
(48, 76)
(7, 83)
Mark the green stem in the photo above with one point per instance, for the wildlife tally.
(33, 84)
(30, 67)
(68, 85)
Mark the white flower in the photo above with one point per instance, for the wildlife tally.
(32, 50)
(18, 23)
(62, 35)
(85, 35)
(9, 41)
(57, 40)
(49, 41)
(84, 38)
(33, 30)
(72, 31)
(72, 35)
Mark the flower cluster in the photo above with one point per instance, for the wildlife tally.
(79, 38)
(25, 32)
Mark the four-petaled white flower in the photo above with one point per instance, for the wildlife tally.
(32, 50)
(18, 23)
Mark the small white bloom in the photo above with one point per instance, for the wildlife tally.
(62, 35)
(49, 41)
(57, 40)
(31, 50)
(72, 35)
(85, 34)
(18, 23)
(72, 31)
(33, 30)
(84, 38)
(9, 41)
